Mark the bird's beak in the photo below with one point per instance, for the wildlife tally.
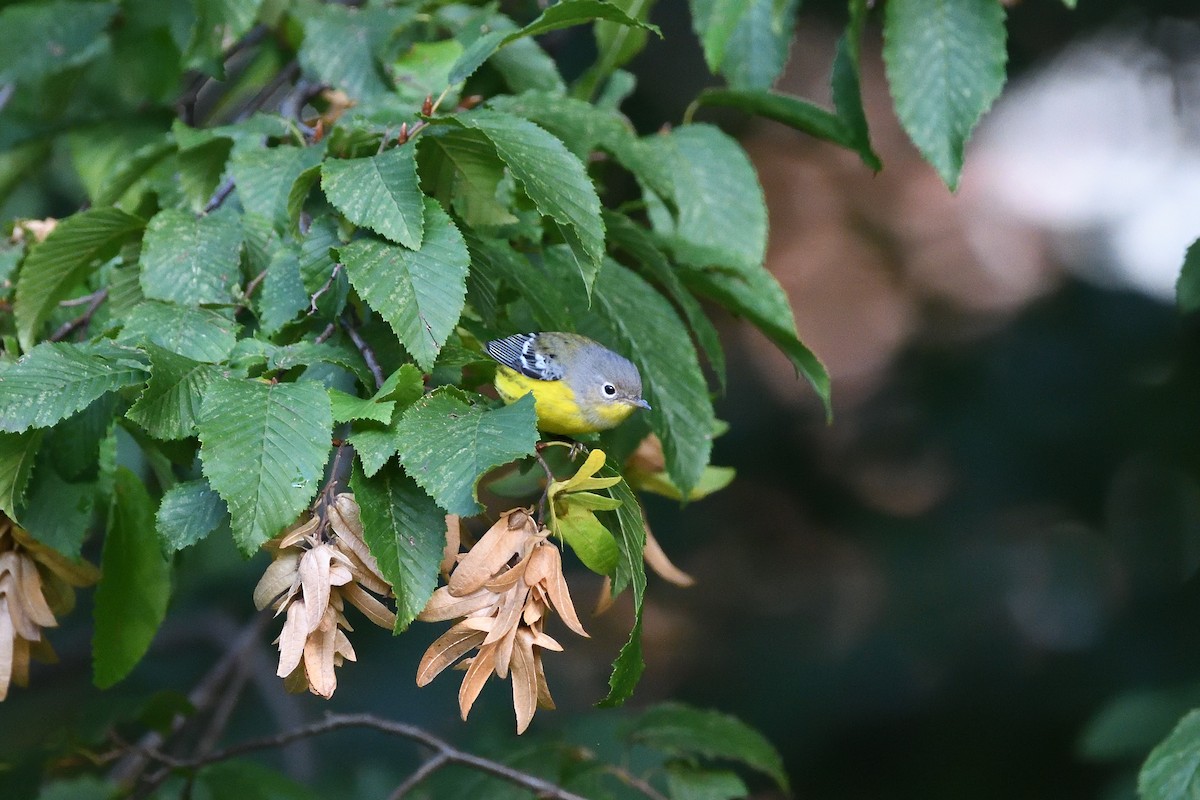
(640, 403)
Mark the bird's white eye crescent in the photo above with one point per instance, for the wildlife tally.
(609, 389)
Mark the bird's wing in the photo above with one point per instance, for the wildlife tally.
(522, 353)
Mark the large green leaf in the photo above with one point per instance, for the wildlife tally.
(419, 292)
(376, 443)
(846, 83)
(283, 297)
(380, 192)
(264, 177)
(1172, 770)
(687, 732)
(58, 513)
(630, 532)
(1187, 288)
(263, 447)
(649, 332)
(448, 439)
(38, 39)
(17, 454)
(169, 406)
(55, 380)
(555, 180)
(746, 41)
(496, 260)
(581, 126)
(462, 170)
(57, 265)
(945, 64)
(191, 260)
(189, 512)
(406, 532)
(340, 44)
(131, 599)
(200, 334)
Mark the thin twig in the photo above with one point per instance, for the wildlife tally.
(444, 751)
(421, 773)
(367, 353)
(83, 320)
(220, 196)
(81, 301)
(253, 284)
(634, 782)
(325, 334)
(312, 301)
(289, 73)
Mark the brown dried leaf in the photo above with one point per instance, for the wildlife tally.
(314, 579)
(524, 680)
(291, 638)
(477, 675)
(366, 602)
(656, 559)
(543, 689)
(443, 606)
(508, 616)
(545, 641)
(277, 580)
(302, 533)
(453, 542)
(491, 553)
(318, 658)
(447, 649)
(342, 647)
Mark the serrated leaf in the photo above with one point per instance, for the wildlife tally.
(758, 297)
(169, 406)
(379, 192)
(563, 14)
(298, 195)
(688, 782)
(340, 43)
(792, 111)
(587, 536)
(680, 730)
(263, 448)
(131, 598)
(319, 272)
(746, 41)
(44, 38)
(419, 292)
(581, 126)
(200, 170)
(424, 71)
(1172, 770)
(630, 531)
(264, 177)
(58, 513)
(650, 333)
(447, 442)
(1187, 288)
(18, 451)
(191, 260)
(845, 82)
(54, 267)
(462, 170)
(406, 532)
(347, 407)
(55, 380)
(555, 180)
(200, 334)
(498, 261)
(375, 444)
(189, 512)
(283, 298)
(945, 63)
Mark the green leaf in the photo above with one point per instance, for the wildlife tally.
(58, 513)
(38, 39)
(587, 536)
(264, 176)
(746, 41)
(340, 45)
(131, 599)
(283, 297)
(347, 407)
(247, 780)
(424, 71)
(563, 14)
(200, 170)
(56, 266)
(945, 64)
(191, 260)
(406, 532)
(792, 111)
(448, 440)
(200, 334)
(581, 126)
(379, 192)
(497, 260)
(169, 406)
(17, 454)
(630, 531)
(556, 181)
(688, 782)
(680, 730)
(619, 43)
(1172, 770)
(463, 172)
(375, 444)
(55, 380)
(846, 83)
(263, 448)
(1187, 288)
(319, 271)
(651, 334)
(419, 292)
(189, 512)
(758, 297)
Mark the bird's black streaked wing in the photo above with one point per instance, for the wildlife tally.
(520, 352)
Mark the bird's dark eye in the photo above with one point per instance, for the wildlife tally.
(609, 389)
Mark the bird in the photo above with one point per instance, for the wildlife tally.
(579, 385)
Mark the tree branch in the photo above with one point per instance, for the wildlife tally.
(83, 320)
(367, 353)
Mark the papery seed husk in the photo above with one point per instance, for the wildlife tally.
(484, 624)
(292, 637)
(7, 637)
(296, 682)
(656, 559)
(524, 680)
(59, 594)
(371, 608)
(504, 651)
(22, 624)
(443, 606)
(340, 575)
(508, 616)
(541, 563)
(534, 611)
(453, 543)
(314, 579)
(299, 534)
(505, 580)
(345, 517)
(9, 562)
(366, 575)
(278, 578)
(605, 601)
(560, 596)
(342, 646)
(543, 689)
(489, 555)
(445, 650)
(546, 641)
(29, 593)
(20, 662)
(318, 659)
(477, 675)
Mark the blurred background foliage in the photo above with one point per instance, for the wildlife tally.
(979, 581)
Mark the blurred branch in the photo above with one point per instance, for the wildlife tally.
(84, 319)
(367, 353)
(444, 753)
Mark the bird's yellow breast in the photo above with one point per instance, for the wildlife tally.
(558, 410)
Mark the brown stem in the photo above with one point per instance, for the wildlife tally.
(367, 353)
(83, 320)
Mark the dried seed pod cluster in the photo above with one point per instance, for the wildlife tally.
(37, 585)
(501, 592)
(320, 565)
